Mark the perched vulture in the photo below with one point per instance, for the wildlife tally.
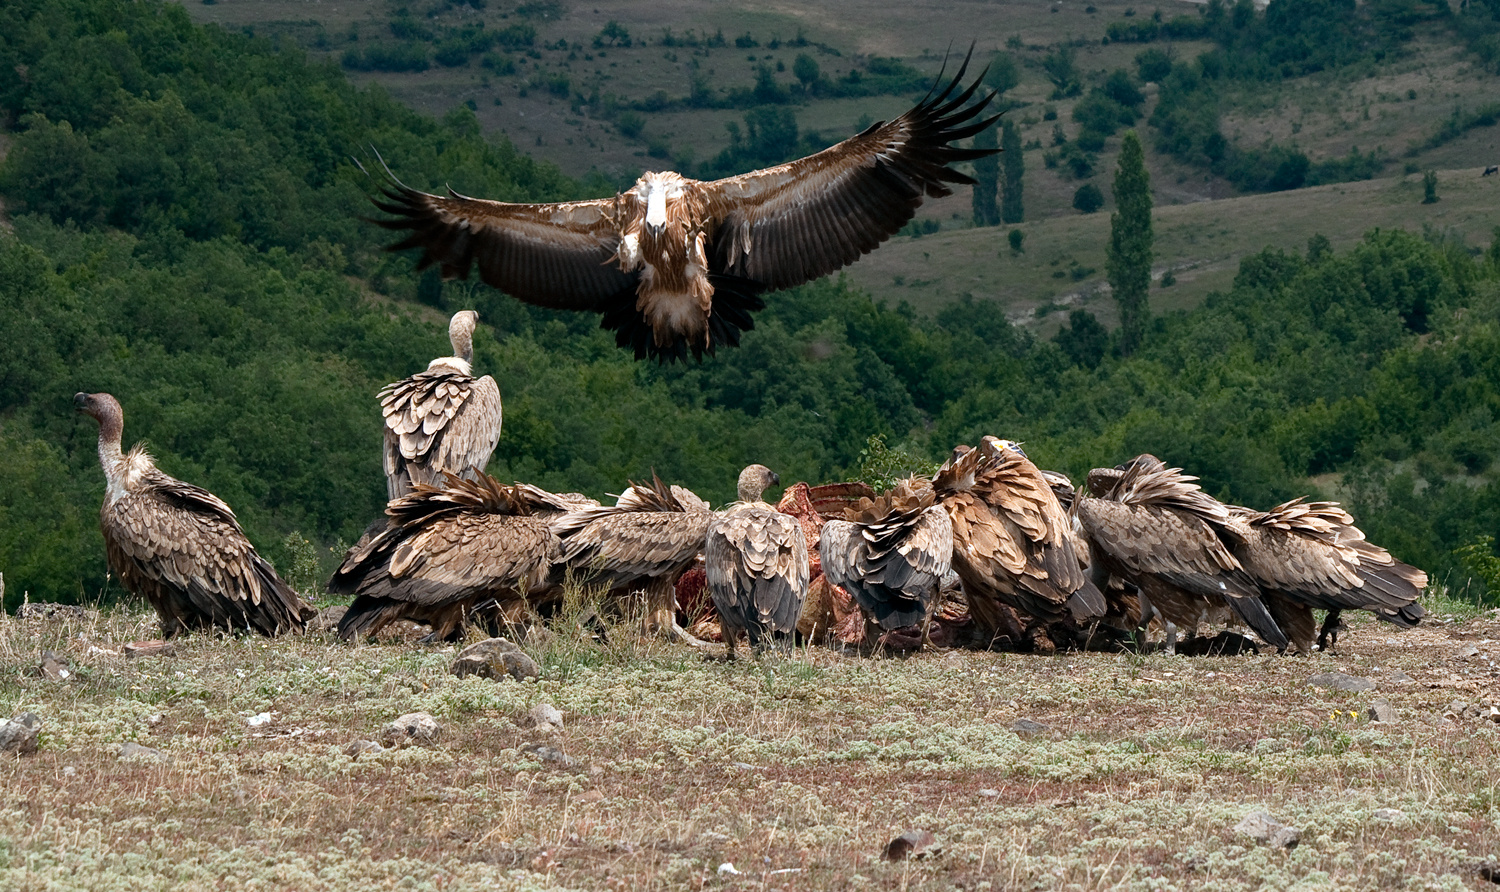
(441, 419)
(1307, 555)
(646, 540)
(756, 560)
(1012, 543)
(1153, 527)
(180, 546)
(676, 265)
(446, 550)
(891, 553)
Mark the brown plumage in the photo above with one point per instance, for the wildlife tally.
(646, 540)
(1153, 527)
(756, 561)
(446, 550)
(891, 553)
(440, 419)
(1307, 555)
(677, 265)
(180, 546)
(1012, 543)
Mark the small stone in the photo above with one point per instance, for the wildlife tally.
(1469, 651)
(1381, 711)
(328, 619)
(551, 754)
(134, 752)
(1493, 714)
(255, 721)
(497, 659)
(545, 717)
(989, 794)
(1027, 728)
(1488, 870)
(156, 648)
(912, 844)
(727, 869)
(1338, 681)
(1261, 827)
(70, 771)
(53, 667)
(1389, 815)
(356, 748)
(412, 729)
(591, 796)
(19, 734)
(1397, 676)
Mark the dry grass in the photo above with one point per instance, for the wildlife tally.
(806, 765)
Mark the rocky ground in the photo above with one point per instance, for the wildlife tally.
(303, 763)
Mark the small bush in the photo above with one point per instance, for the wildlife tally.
(1088, 198)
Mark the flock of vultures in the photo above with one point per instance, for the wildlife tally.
(989, 551)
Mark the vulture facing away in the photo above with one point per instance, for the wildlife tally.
(756, 561)
(647, 539)
(891, 553)
(441, 419)
(1153, 527)
(676, 265)
(1307, 555)
(446, 550)
(1012, 543)
(180, 546)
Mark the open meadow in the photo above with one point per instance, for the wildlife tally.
(796, 771)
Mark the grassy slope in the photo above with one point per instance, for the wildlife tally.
(809, 764)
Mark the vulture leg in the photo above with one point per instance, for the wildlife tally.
(1171, 645)
(661, 614)
(1328, 636)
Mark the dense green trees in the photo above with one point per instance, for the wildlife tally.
(986, 180)
(1129, 253)
(1012, 200)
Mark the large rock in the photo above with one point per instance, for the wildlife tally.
(134, 752)
(1338, 681)
(328, 619)
(495, 658)
(412, 729)
(19, 735)
(1261, 827)
(545, 717)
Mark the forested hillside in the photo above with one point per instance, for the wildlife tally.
(184, 231)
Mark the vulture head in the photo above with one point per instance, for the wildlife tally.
(996, 447)
(104, 409)
(1062, 487)
(1101, 480)
(461, 334)
(754, 481)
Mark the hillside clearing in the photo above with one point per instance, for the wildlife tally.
(797, 771)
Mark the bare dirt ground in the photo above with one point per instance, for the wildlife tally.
(796, 771)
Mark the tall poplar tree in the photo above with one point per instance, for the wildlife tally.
(986, 180)
(1011, 208)
(1129, 256)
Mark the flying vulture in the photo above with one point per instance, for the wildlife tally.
(647, 539)
(891, 553)
(441, 419)
(1307, 555)
(180, 546)
(1153, 527)
(756, 561)
(676, 265)
(1012, 543)
(447, 550)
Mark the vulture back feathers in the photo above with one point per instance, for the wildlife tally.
(441, 419)
(180, 546)
(446, 550)
(675, 265)
(756, 561)
(891, 553)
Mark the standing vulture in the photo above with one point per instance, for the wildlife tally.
(676, 265)
(1012, 543)
(446, 550)
(1153, 527)
(756, 561)
(441, 419)
(1309, 555)
(648, 538)
(891, 554)
(181, 546)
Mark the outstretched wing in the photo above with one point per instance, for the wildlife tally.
(795, 222)
(553, 255)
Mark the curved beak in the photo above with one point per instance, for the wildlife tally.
(80, 401)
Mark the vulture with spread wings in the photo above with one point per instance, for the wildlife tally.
(1307, 555)
(676, 265)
